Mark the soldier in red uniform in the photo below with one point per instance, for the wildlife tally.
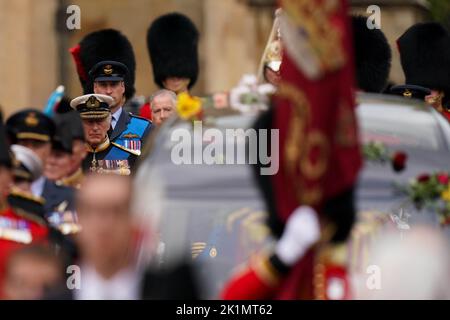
(22, 219)
(310, 198)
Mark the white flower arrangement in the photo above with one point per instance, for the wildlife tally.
(249, 96)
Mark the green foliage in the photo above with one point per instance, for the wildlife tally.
(375, 151)
(430, 191)
(440, 11)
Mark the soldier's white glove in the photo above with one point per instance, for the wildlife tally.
(302, 230)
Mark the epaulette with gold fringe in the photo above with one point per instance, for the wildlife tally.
(135, 152)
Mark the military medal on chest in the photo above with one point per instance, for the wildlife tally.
(120, 167)
(15, 230)
(93, 167)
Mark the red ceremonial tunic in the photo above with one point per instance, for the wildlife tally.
(317, 276)
(17, 229)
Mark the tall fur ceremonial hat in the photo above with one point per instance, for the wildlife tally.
(106, 44)
(5, 153)
(372, 56)
(172, 42)
(425, 55)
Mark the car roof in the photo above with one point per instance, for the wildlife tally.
(398, 121)
(212, 205)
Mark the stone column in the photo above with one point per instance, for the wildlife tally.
(28, 54)
(234, 39)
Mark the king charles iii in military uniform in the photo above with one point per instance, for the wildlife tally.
(103, 156)
(106, 64)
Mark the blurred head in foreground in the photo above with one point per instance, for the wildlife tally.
(415, 267)
(103, 206)
(31, 272)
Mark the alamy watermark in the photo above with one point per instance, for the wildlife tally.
(73, 281)
(228, 147)
(374, 19)
(73, 21)
(373, 281)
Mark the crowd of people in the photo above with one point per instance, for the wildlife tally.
(66, 176)
(48, 160)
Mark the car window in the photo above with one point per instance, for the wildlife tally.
(399, 125)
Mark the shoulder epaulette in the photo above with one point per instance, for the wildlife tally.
(26, 195)
(29, 216)
(139, 117)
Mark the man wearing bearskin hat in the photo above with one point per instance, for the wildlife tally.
(310, 199)
(425, 57)
(128, 130)
(172, 42)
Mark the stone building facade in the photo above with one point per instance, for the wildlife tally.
(34, 41)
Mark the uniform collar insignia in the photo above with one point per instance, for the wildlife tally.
(131, 136)
(103, 146)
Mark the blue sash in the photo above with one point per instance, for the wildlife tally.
(117, 154)
(131, 137)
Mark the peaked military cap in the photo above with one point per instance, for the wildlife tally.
(27, 165)
(93, 106)
(108, 71)
(30, 124)
(411, 91)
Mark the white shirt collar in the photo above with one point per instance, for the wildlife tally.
(122, 286)
(37, 187)
(115, 117)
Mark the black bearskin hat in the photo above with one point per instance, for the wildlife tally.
(172, 41)
(372, 56)
(5, 153)
(425, 56)
(106, 44)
